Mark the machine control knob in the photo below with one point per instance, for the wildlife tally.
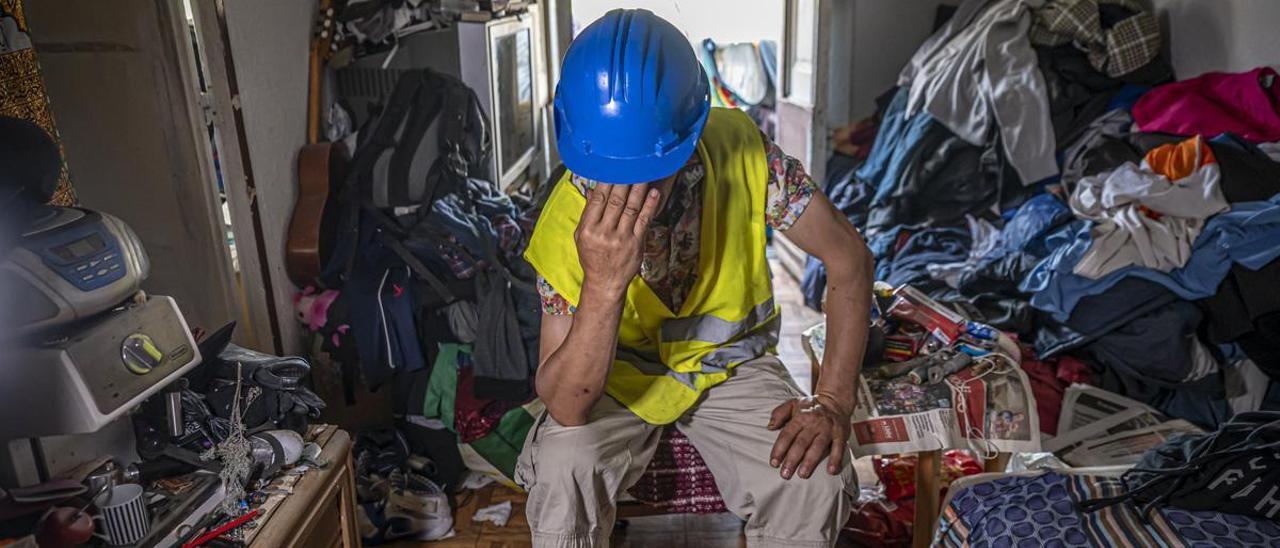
(140, 354)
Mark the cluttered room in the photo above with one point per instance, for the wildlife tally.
(763, 273)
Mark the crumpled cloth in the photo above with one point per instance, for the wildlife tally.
(1149, 215)
(979, 73)
(497, 514)
(1246, 103)
(1116, 49)
(1248, 235)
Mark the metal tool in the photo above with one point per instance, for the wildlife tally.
(933, 373)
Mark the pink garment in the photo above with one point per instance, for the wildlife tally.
(1246, 104)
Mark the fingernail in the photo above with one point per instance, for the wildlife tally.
(804, 472)
(653, 193)
(786, 473)
(773, 463)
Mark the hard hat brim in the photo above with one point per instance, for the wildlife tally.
(632, 171)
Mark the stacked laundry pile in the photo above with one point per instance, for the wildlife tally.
(1039, 170)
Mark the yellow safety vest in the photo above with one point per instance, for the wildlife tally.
(666, 358)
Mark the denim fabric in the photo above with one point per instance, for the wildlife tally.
(894, 145)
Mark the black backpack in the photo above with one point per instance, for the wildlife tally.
(1235, 470)
(430, 136)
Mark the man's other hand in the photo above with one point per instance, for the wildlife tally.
(610, 235)
(811, 429)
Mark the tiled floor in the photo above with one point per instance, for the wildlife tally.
(796, 318)
(669, 531)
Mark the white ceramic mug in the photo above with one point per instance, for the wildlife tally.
(122, 515)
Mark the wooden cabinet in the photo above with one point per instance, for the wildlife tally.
(321, 511)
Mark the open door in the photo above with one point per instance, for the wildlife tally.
(813, 91)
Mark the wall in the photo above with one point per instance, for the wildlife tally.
(1222, 35)
(118, 79)
(720, 20)
(885, 35)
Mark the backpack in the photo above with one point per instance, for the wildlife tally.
(1235, 470)
(430, 136)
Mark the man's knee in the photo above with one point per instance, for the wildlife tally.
(820, 486)
(815, 500)
(566, 456)
(572, 453)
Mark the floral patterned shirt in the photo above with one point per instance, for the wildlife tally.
(670, 258)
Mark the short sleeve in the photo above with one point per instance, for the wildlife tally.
(553, 304)
(790, 187)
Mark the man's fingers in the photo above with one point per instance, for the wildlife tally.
(835, 460)
(818, 449)
(595, 204)
(647, 211)
(796, 453)
(614, 201)
(635, 200)
(781, 446)
(781, 414)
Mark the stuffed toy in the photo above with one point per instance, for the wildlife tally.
(312, 310)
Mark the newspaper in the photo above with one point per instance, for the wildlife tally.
(1125, 447)
(1100, 428)
(987, 408)
(1128, 419)
(1083, 404)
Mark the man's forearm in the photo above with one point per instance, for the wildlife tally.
(848, 310)
(572, 379)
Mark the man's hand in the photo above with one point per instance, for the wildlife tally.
(610, 235)
(812, 428)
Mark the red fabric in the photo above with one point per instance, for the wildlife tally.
(474, 418)
(879, 522)
(1049, 380)
(1214, 103)
(898, 473)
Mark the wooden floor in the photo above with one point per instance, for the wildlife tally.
(658, 531)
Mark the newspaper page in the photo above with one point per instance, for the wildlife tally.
(1128, 419)
(988, 408)
(1083, 404)
(1125, 447)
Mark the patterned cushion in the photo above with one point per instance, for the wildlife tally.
(677, 480)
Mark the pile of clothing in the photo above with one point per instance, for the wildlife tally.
(425, 293)
(1072, 192)
(374, 26)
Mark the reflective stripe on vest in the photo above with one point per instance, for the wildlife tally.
(667, 358)
(708, 328)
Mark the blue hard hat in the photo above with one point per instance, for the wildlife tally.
(631, 101)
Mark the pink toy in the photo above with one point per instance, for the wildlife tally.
(312, 310)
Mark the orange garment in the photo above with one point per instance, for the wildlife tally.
(1178, 160)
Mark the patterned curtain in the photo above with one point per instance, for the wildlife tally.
(22, 93)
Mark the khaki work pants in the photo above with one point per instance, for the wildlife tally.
(574, 474)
